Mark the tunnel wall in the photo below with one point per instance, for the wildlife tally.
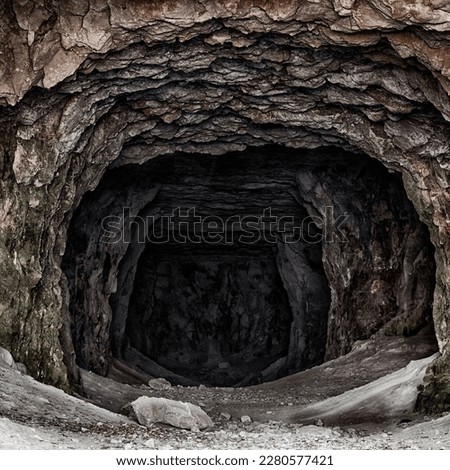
(295, 224)
(87, 85)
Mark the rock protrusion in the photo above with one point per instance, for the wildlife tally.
(6, 359)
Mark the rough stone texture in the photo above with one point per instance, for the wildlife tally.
(85, 84)
(220, 310)
(390, 396)
(193, 306)
(159, 384)
(216, 320)
(380, 264)
(6, 360)
(151, 410)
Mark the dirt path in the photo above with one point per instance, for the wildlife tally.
(367, 362)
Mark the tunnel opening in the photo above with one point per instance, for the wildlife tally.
(218, 315)
(237, 269)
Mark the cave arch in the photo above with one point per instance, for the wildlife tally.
(142, 82)
(170, 299)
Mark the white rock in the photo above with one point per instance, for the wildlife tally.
(246, 419)
(150, 443)
(159, 384)
(6, 359)
(226, 416)
(182, 415)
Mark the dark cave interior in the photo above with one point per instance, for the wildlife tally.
(242, 268)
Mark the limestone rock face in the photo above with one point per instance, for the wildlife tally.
(87, 86)
(151, 410)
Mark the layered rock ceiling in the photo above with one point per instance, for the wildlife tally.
(92, 87)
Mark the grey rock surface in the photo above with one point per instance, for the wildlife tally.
(89, 85)
(159, 384)
(151, 410)
(6, 359)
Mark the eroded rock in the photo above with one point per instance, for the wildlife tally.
(159, 384)
(176, 413)
(84, 88)
(6, 359)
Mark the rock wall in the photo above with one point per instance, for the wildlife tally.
(380, 265)
(218, 318)
(89, 84)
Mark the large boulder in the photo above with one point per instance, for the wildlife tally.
(150, 410)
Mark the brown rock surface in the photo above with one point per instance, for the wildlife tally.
(86, 85)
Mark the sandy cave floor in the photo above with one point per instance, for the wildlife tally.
(36, 416)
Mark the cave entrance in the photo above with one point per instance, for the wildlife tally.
(242, 268)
